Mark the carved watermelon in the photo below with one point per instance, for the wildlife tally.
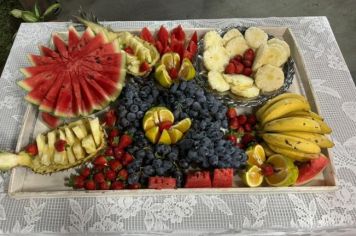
(310, 169)
(77, 77)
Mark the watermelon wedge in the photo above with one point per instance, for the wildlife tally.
(83, 74)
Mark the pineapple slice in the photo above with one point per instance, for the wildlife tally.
(62, 136)
(80, 131)
(46, 156)
(51, 137)
(41, 142)
(95, 130)
(70, 155)
(69, 135)
(78, 151)
(60, 158)
(89, 144)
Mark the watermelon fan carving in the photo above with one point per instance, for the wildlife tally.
(77, 77)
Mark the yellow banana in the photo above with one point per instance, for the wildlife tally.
(293, 124)
(290, 142)
(295, 155)
(305, 114)
(267, 149)
(276, 99)
(284, 107)
(319, 139)
(325, 129)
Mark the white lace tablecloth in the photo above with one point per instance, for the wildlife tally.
(261, 214)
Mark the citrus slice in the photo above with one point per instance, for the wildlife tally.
(148, 121)
(170, 60)
(187, 70)
(183, 125)
(152, 134)
(175, 135)
(286, 173)
(256, 155)
(165, 138)
(267, 149)
(163, 77)
(253, 176)
(165, 115)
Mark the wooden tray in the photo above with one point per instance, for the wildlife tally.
(26, 184)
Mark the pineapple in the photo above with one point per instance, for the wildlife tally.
(69, 135)
(78, 151)
(89, 144)
(80, 131)
(95, 130)
(70, 155)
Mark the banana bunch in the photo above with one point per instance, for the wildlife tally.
(289, 127)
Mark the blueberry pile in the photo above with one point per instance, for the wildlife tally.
(203, 146)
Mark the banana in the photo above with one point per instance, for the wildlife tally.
(216, 58)
(241, 81)
(233, 33)
(292, 124)
(269, 78)
(261, 110)
(290, 142)
(273, 54)
(259, 58)
(267, 149)
(319, 139)
(250, 92)
(295, 155)
(212, 38)
(282, 107)
(325, 129)
(217, 81)
(310, 114)
(282, 43)
(236, 46)
(255, 37)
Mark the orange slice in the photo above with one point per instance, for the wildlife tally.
(165, 138)
(175, 135)
(152, 134)
(165, 115)
(183, 125)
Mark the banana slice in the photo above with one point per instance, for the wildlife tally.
(215, 58)
(251, 92)
(282, 43)
(255, 37)
(273, 54)
(236, 46)
(269, 78)
(241, 82)
(212, 38)
(233, 33)
(217, 81)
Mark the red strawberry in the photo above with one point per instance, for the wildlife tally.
(77, 182)
(247, 63)
(146, 35)
(241, 130)
(85, 172)
(127, 159)
(173, 73)
(242, 119)
(234, 123)
(32, 149)
(230, 68)
(177, 46)
(194, 38)
(115, 165)
(110, 174)
(114, 141)
(110, 118)
(247, 138)
(109, 152)
(239, 68)
(198, 179)
(105, 185)
(89, 185)
(60, 145)
(188, 55)
(122, 175)
(144, 67)
(162, 36)
(167, 49)
(159, 47)
(129, 50)
(178, 33)
(238, 58)
(118, 153)
(100, 161)
(117, 185)
(158, 182)
(223, 178)
(165, 125)
(231, 113)
(113, 133)
(247, 71)
(99, 168)
(134, 186)
(240, 145)
(231, 138)
(99, 178)
(249, 54)
(192, 48)
(267, 169)
(251, 119)
(125, 141)
(247, 127)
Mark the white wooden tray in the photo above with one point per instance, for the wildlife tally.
(26, 184)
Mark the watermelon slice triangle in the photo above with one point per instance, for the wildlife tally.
(65, 98)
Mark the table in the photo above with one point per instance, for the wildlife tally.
(264, 214)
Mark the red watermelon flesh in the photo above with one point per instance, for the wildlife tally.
(310, 169)
(78, 81)
(50, 120)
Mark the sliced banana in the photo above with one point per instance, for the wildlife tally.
(217, 81)
(239, 81)
(251, 92)
(212, 38)
(283, 43)
(236, 46)
(269, 78)
(233, 33)
(273, 54)
(255, 37)
(215, 58)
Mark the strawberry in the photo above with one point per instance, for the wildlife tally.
(231, 113)
(134, 186)
(188, 55)
(247, 127)
(122, 175)
(247, 71)
(239, 68)
(198, 179)
(231, 138)
(89, 185)
(60, 145)
(194, 38)
(223, 178)
(110, 174)
(230, 68)
(146, 35)
(240, 145)
(178, 33)
(192, 48)
(163, 36)
(115, 165)
(118, 153)
(247, 138)
(114, 133)
(129, 50)
(125, 141)
(32, 149)
(85, 172)
(105, 185)
(267, 169)
(247, 63)
(77, 182)
(99, 178)
(100, 160)
(110, 118)
(177, 46)
(241, 130)
(249, 54)
(165, 125)
(251, 119)
(242, 119)
(109, 152)
(159, 47)
(144, 67)
(234, 123)
(167, 49)
(114, 141)
(173, 73)
(158, 182)
(127, 159)
(98, 168)
(117, 185)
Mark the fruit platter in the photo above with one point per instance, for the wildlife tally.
(169, 110)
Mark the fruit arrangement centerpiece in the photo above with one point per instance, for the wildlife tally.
(161, 128)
